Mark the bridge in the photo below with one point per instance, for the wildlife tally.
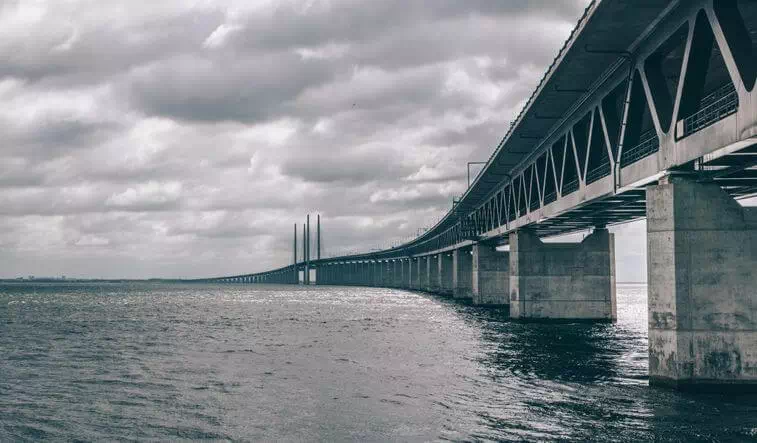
(648, 111)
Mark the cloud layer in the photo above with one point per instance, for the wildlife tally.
(182, 139)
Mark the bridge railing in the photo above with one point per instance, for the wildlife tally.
(716, 106)
(570, 187)
(599, 172)
(649, 144)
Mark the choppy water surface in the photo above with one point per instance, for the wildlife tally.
(158, 361)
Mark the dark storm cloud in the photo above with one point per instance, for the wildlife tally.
(345, 166)
(217, 89)
(159, 138)
(63, 53)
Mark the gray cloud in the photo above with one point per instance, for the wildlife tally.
(161, 139)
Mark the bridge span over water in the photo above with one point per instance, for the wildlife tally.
(648, 111)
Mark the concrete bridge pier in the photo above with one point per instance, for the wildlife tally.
(383, 274)
(418, 272)
(432, 268)
(462, 270)
(702, 276)
(444, 273)
(357, 274)
(571, 281)
(490, 278)
(423, 272)
(375, 279)
(388, 273)
(350, 271)
(380, 274)
(364, 279)
(364, 274)
(397, 273)
(410, 274)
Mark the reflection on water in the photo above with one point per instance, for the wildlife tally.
(152, 361)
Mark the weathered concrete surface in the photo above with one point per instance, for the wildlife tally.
(407, 269)
(702, 273)
(423, 273)
(417, 274)
(383, 274)
(445, 273)
(462, 270)
(397, 274)
(432, 264)
(562, 280)
(490, 276)
(388, 273)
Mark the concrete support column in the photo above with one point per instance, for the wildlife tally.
(702, 276)
(350, 273)
(423, 272)
(395, 274)
(375, 278)
(387, 281)
(409, 274)
(490, 276)
(365, 274)
(445, 264)
(462, 273)
(417, 275)
(401, 275)
(381, 277)
(433, 273)
(562, 280)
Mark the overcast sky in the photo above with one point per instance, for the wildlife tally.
(184, 138)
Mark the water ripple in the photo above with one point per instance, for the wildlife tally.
(246, 363)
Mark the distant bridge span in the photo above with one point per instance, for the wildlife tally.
(649, 110)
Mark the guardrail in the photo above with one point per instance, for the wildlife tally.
(716, 106)
(570, 187)
(649, 144)
(599, 172)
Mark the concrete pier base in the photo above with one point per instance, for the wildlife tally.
(397, 273)
(387, 275)
(702, 275)
(490, 277)
(432, 264)
(423, 273)
(415, 279)
(562, 281)
(462, 270)
(407, 273)
(444, 273)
